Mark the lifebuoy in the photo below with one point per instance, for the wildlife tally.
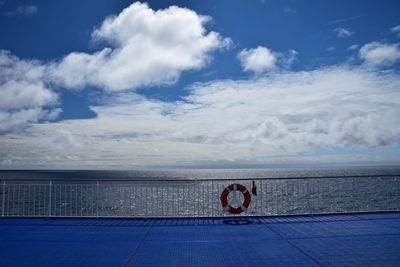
(239, 207)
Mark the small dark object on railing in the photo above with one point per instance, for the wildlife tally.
(254, 189)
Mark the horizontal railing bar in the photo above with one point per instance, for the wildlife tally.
(74, 179)
(204, 216)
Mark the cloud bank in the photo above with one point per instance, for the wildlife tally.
(268, 119)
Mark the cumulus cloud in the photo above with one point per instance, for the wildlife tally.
(264, 119)
(24, 97)
(380, 54)
(145, 47)
(257, 59)
(342, 32)
(262, 59)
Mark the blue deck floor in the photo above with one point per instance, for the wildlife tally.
(331, 240)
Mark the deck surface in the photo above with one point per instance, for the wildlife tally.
(371, 239)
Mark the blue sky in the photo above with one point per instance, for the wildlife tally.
(121, 84)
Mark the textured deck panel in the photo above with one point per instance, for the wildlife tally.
(326, 240)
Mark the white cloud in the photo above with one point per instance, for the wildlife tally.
(353, 47)
(24, 98)
(343, 20)
(286, 60)
(257, 60)
(146, 47)
(23, 10)
(342, 32)
(380, 54)
(274, 118)
(303, 108)
(330, 48)
(396, 29)
(28, 10)
(262, 59)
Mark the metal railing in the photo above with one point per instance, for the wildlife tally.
(197, 198)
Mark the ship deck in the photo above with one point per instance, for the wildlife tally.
(364, 239)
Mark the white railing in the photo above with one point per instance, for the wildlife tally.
(197, 198)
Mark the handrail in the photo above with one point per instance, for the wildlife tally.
(197, 197)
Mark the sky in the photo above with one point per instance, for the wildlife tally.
(193, 84)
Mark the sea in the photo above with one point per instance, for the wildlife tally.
(197, 173)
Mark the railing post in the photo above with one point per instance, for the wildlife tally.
(50, 193)
(308, 199)
(212, 198)
(353, 200)
(3, 199)
(97, 199)
(147, 200)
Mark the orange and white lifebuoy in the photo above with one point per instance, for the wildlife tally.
(235, 207)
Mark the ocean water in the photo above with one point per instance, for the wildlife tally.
(197, 193)
(196, 173)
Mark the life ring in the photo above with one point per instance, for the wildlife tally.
(239, 207)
